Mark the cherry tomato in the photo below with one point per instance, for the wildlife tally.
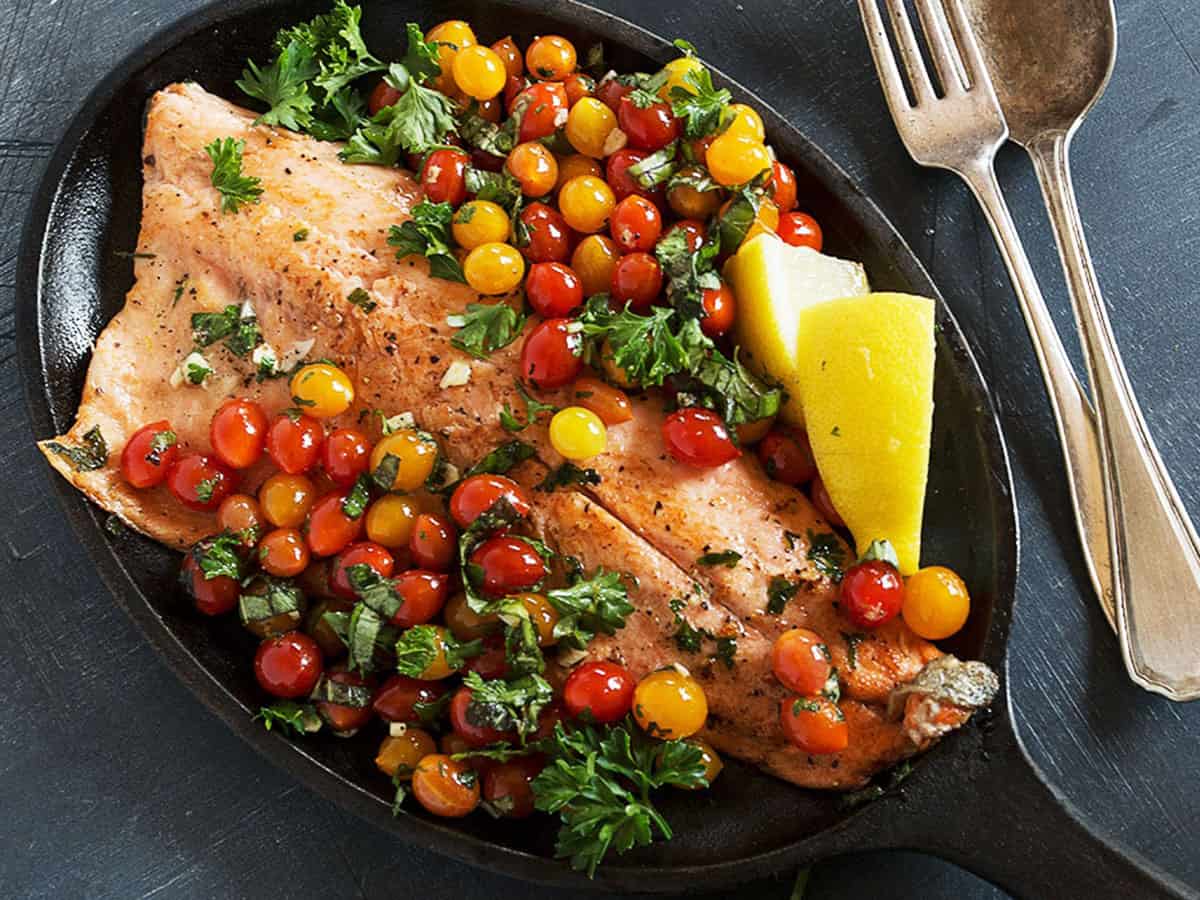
(201, 482)
(699, 438)
(415, 454)
(551, 356)
(508, 51)
(719, 310)
(549, 239)
(752, 432)
(814, 724)
(508, 786)
(543, 108)
(345, 455)
(512, 90)
(283, 553)
(492, 662)
(824, 503)
(637, 280)
(553, 290)
(712, 763)
(648, 128)
(670, 705)
(534, 167)
(466, 624)
(603, 688)
(786, 456)
(610, 90)
(586, 202)
(575, 165)
(475, 495)
(576, 433)
(800, 660)
(289, 665)
(593, 261)
(212, 596)
(382, 96)
(403, 699)
(294, 444)
(635, 224)
(424, 595)
(445, 787)
(872, 593)
(444, 176)
(434, 542)
(782, 187)
(475, 735)
(609, 403)
(323, 389)
(240, 513)
(400, 754)
(363, 553)
(390, 521)
(690, 202)
(148, 454)
(479, 72)
(550, 57)
(936, 602)
(342, 719)
(694, 230)
(578, 85)
(330, 530)
(800, 230)
(616, 173)
(488, 162)
(509, 565)
(238, 433)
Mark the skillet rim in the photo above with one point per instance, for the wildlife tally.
(432, 835)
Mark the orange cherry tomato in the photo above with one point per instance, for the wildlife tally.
(445, 787)
(814, 724)
(609, 403)
(578, 85)
(330, 530)
(550, 57)
(286, 499)
(800, 660)
(508, 51)
(239, 512)
(294, 443)
(148, 454)
(238, 433)
(283, 553)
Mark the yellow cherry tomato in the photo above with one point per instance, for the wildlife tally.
(535, 167)
(415, 457)
(577, 433)
(399, 753)
(543, 615)
(479, 72)
(438, 668)
(586, 202)
(551, 58)
(494, 268)
(589, 123)
(691, 203)
(451, 36)
(575, 165)
(936, 602)
(736, 158)
(322, 390)
(712, 763)
(593, 261)
(677, 72)
(746, 122)
(286, 499)
(480, 222)
(390, 520)
(669, 704)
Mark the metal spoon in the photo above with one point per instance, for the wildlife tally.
(1049, 62)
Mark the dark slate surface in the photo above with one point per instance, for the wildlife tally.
(116, 783)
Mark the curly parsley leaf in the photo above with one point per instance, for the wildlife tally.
(427, 234)
(234, 187)
(87, 456)
(486, 327)
(598, 603)
(702, 107)
(283, 86)
(507, 705)
(566, 475)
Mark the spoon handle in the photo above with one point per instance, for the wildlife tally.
(1073, 414)
(1153, 544)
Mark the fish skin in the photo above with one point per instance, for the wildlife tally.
(649, 514)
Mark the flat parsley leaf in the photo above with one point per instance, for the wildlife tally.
(702, 108)
(598, 603)
(283, 86)
(427, 234)
(236, 325)
(419, 120)
(646, 348)
(234, 187)
(221, 556)
(486, 327)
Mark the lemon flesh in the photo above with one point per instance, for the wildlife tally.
(865, 378)
(774, 283)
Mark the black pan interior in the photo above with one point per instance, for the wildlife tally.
(74, 278)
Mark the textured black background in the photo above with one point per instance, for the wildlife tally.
(116, 783)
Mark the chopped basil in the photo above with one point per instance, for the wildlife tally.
(88, 456)
(355, 502)
(566, 475)
(727, 558)
(779, 592)
(533, 408)
(826, 554)
(360, 298)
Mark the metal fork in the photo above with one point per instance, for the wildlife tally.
(961, 130)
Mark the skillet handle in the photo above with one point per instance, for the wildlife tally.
(1010, 826)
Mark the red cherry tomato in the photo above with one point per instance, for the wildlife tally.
(549, 236)
(543, 109)
(699, 438)
(507, 786)
(238, 433)
(719, 310)
(637, 280)
(433, 542)
(476, 494)
(814, 724)
(786, 456)
(201, 482)
(610, 91)
(800, 230)
(551, 356)
(872, 593)
(330, 530)
(444, 176)
(603, 688)
(345, 455)
(800, 660)
(512, 90)
(342, 719)
(824, 503)
(648, 128)
(510, 565)
(781, 187)
(552, 289)
(288, 665)
(147, 457)
(403, 699)
(635, 224)
(383, 95)
(492, 662)
(475, 735)
(694, 229)
(294, 445)
(616, 173)
(364, 553)
(424, 594)
(212, 596)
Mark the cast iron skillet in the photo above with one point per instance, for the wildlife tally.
(975, 799)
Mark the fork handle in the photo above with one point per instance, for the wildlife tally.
(1073, 414)
(1152, 541)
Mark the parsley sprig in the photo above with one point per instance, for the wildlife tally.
(234, 187)
(486, 327)
(427, 234)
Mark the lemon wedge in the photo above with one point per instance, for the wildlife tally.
(864, 372)
(774, 283)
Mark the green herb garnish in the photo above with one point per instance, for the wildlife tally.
(234, 187)
(88, 456)
(485, 327)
